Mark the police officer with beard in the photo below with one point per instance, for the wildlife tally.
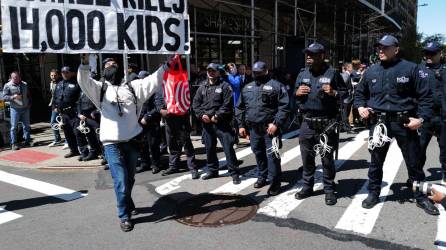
(213, 105)
(318, 90)
(64, 103)
(437, 72)
(262, 110)
(395, 95)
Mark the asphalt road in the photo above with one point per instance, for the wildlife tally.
(35, 217)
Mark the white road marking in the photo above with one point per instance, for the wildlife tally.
(174, 184)
(246, 182)
(440, 240)
(361, 220)
(283, 204)
(40, 187)
(6, 216)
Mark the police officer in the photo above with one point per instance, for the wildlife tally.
(437, 72)
(150, 118)
(262, 110)
(318, 101)
(395, 94)
(213, 105)
(86, 137)
(64, 103)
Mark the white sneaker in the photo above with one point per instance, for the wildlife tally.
(65, 146)
(55, 143)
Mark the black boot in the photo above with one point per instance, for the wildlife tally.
(371, 200)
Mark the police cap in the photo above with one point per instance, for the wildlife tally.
(315, 48)
(259, 66)
(433, 47)
(388, 40)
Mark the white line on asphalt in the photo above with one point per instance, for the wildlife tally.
(174, 184)
(6, 216)
(246, 182)
(361, 220)
(282, 205)
(40, 186)
(440, 240)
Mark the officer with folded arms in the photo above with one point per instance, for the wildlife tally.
(213, 104)
(318, 100)
(394, 95)
(262, 110)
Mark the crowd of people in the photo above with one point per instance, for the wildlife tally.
(126, 122)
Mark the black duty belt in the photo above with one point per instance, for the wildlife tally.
(318, 123)
(386, 117)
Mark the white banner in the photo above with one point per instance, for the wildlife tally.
(95, 26)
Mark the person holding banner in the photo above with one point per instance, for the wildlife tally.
(120, 104)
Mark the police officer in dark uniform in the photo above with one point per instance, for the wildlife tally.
(86, 137)
(65, 97)
(437, 72)
(213, 105)
(318, 101)
(150, 118)
(262, 110)
(395, 95)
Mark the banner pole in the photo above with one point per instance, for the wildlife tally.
(188, 66)
(126, 66)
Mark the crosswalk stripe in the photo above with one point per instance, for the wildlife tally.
(246, 182)
(282, 205)
(361, 220)
(174, 184)
(440, 240)
(40, 187)
(6, 216)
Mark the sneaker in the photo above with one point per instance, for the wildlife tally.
(134, 212)
(370, 201)
(103, 162)
(126, 225)
(155, 169)
(65, 146)
(15, 147)
(27, 145)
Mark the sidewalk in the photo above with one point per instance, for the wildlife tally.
(40, 156)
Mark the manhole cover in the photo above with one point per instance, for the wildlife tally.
(216, 210)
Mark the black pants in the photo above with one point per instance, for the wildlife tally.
(178, 136)
(69, 120)
(89, 139)
(224, 133)
(308, 137)
(433, 128)
(151, 144)
(409, 143)
(268, 165)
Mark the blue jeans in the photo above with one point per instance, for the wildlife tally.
(122, 159)
(57, 137)
(20, 115)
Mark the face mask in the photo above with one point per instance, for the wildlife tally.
(262, 78)
(112, 75)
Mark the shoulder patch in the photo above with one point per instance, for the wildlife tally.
(267, 87)
(423, 74)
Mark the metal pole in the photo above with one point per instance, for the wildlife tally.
(315, 20)
(276, 31)
(188, 66)
(100, 64)
(126, 66)
(252, 32)
(295, 17)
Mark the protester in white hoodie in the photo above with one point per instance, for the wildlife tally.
(120, 104)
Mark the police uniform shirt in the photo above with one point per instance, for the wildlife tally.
(66, 94)
(437, 79)
(214, 99)
(317, 102)
(263, 103)
(395, 87)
